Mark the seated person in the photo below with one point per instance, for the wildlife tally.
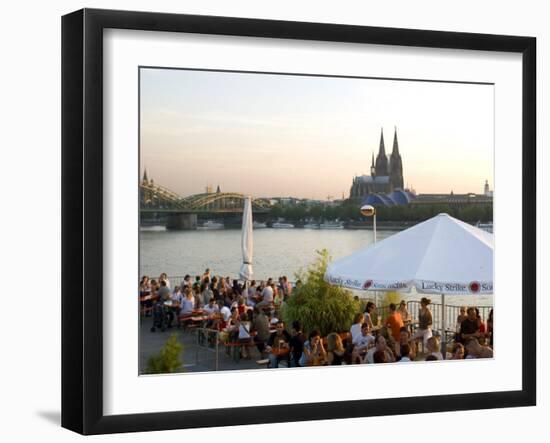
(458, 352)
(380, 357)
(222, 322)
(211, 308)
(267, 296)
(475, 350)
(469, 328)
(405, 353)
(380, 345)
(482, 327)
(405, 339)
(164, 291)
(461, 316)
(335, 349)
(365, 340)
(188, 303)
(314, 353)
(355, 329)
(241, 306)
(251, 294)
(278, 346)
(434, 347)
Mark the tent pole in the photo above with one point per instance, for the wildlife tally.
(443, 336)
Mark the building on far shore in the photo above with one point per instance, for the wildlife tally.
(384, 186)
(452, 199)
(386, 173)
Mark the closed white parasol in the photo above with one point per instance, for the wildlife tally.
(247, 241)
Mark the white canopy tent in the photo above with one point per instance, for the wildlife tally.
(247, 241)
(442, 255)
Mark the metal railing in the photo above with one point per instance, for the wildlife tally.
(451, 313)
(413, 306)
(208, 341)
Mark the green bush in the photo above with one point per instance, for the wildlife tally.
(319, 305)
(168, 359)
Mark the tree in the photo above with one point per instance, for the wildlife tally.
(168, 359)
(319, 305)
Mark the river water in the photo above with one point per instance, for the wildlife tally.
(276, 252)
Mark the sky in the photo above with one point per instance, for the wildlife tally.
(271, 135)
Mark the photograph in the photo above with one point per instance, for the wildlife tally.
(290, 220)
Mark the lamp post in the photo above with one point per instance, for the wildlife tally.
(370, 211)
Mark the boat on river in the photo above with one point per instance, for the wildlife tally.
(281, 225)
(311, 226)
(211, 225)
(332, 225)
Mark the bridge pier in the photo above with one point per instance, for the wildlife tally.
(180, 222)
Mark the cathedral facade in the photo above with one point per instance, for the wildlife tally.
(386, 173)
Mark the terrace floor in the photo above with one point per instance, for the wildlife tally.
(195, 358)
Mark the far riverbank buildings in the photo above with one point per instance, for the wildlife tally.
(384, 185)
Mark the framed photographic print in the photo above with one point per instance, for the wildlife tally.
(308, 207)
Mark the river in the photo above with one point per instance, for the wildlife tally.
(276, 252)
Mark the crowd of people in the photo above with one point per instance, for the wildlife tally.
(247, 315)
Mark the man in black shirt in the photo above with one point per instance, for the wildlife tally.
(297, 342)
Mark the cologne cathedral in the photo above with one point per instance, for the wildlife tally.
(386, 173)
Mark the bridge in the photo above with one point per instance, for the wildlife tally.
(182, 211)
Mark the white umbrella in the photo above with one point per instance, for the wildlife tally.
(442, 255)
(247, 241)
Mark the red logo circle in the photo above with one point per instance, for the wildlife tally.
(474, 286)
(367, 284)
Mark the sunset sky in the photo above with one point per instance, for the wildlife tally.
(282, 135)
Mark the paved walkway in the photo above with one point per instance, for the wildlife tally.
(194, 358)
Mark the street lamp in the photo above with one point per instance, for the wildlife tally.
(370, 211)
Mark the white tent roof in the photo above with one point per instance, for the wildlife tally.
(442, 255)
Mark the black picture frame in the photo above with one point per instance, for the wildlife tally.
(82, 218)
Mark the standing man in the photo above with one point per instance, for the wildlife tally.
(394, 322)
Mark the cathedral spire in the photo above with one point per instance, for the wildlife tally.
(381, 160)
(382, 149)
(395, 143)
(372, 164)
(145, 175)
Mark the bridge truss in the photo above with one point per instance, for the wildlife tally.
(154, 197)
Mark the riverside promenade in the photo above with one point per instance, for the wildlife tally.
(152, 342)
